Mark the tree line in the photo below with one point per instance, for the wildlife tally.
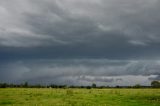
(154, 84)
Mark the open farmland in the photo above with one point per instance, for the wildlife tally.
(79, 97)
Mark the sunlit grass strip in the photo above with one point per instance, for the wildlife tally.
(79, 97)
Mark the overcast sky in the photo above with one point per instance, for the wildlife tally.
(80, 42)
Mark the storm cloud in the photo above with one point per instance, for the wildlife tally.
(76, 70)
(82, 41)
(31, 23)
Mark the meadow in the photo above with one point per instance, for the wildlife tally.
(78, 97)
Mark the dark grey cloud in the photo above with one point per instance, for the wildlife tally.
(78, 37)
(79, 71)
(93, 28)
(40, 23)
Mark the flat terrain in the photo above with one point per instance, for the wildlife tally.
(79, 97)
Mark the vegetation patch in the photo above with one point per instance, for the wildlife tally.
(79, 97)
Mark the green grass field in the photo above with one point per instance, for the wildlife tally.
(79, 97)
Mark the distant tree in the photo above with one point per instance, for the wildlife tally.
(26, 84)
(101, 87)
(3, 85)
(117, 86)
(155, 84)
(94, 85)
(88, 87)
(137, 86)
(82, 87)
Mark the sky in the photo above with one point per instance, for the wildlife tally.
(80, 42)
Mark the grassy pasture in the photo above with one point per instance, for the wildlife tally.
(79, 97)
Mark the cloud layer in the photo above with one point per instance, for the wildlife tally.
(80, 41)
(81, 71)
(31, 23)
